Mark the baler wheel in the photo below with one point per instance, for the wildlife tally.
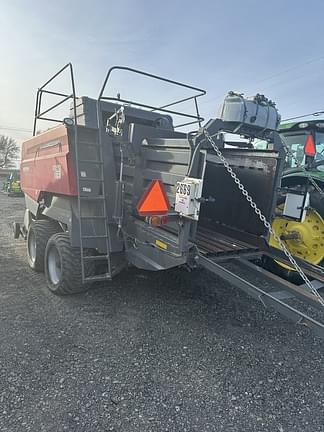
(63, 266)
(38, 235)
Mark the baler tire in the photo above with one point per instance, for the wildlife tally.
(66, 277)
(42, 230)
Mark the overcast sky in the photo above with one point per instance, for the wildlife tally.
(273, 47)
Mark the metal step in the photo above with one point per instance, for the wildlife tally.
(94, 237)
(87, 161)
(100, 277)
(93, 179)
(92, 217)
(89, 197)
(96, 258)
(90, 144)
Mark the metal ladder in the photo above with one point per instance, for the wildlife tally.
(81, 198)
(86, 258)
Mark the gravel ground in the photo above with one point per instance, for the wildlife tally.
(148, 352)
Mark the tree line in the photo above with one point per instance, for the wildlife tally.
(9, 150)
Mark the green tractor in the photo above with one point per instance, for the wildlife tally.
(11, 185)
(304, 175)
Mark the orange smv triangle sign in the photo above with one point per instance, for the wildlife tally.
(154, 200)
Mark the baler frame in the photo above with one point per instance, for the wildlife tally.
(207, 254)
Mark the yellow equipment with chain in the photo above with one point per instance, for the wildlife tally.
(304, 239)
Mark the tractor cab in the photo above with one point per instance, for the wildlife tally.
(305, 140)
(303, 177)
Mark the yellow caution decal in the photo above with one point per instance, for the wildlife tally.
(161, 245)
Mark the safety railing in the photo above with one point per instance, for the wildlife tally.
(194, 118)
(39, 114)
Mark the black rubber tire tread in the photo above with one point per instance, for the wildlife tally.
(43, 229)
(71, 277)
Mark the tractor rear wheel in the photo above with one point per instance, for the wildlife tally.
(309, 244)
(38, 235)
(63, 266)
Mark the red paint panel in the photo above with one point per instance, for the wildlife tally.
(47, 164)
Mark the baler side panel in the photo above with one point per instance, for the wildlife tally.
(47, 164)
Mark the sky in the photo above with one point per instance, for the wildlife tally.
(271, 47)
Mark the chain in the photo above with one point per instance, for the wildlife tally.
(299, 165)
(262, 218)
